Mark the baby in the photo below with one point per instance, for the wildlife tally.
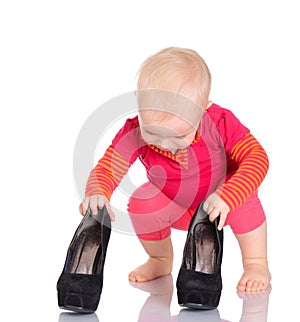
(193, 150)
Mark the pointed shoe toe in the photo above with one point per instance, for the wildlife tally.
(80, 284)
(199, 282)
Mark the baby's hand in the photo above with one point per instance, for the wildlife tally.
(95, 202)
(214, 206)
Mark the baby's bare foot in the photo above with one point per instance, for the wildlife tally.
(256, 276)
(153, 268)
(160, 286)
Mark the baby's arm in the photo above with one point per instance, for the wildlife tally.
(103, 180)
(253, 165)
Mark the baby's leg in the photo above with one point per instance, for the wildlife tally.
(253, 246)
(153, 214)
(160, 260)
(248, 222)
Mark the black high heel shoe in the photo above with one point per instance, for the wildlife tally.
(199, 282)
(80, 284)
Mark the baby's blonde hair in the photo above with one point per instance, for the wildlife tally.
(177, 69)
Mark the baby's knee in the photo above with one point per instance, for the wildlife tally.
(247, 217)
(147, 199)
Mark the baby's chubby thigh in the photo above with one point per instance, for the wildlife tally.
(153, 213)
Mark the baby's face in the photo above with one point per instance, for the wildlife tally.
(166, 131)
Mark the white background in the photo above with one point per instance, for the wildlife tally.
(60, 60)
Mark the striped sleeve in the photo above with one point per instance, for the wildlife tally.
(107, 174)
(253, 165)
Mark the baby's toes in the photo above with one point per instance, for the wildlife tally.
(261, 286)
(265, 285)
(249, 285)
(255, 286)
(242, 284)
(132, 277)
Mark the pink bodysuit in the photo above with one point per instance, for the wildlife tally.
(224, 158)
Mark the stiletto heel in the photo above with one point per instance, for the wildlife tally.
(199, 282)
(80, 284)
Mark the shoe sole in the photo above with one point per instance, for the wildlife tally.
(196, 306)
(77, 302)
(195, 299)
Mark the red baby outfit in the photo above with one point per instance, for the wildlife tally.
(224, 158)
